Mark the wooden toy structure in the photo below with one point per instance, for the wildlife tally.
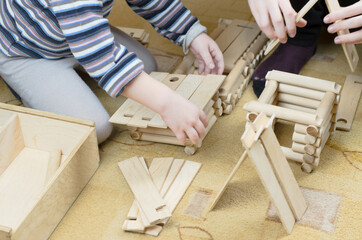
(243, 45)
(45, 161)
(263, 148)
(157, 189)
(310, 103)
(349, 49)
(138, 34)
(147, 125)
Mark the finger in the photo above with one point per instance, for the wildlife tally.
(218, 60)
(181, 137)
(350, 11)
(264, 22)
(200, 129)
(204, 119)
(289, 17)
(350, 23)
(207, 59)
(351, 38)
(302, 23)
(192, 135)
(201, 66)
(278, 22)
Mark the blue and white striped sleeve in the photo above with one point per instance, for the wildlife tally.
(90, 39)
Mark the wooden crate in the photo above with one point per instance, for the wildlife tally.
(243, 45)
(48, 190)
(147, 125)
(309, 103)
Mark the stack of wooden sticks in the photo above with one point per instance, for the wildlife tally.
(243, 45)
(157, 190)
(147, 125)
(310, 103)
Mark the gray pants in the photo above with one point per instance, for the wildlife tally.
(54, 85)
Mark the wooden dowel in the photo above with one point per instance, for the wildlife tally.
(282, 113)
(303, 81)
(326, 105)
(258, 44)
(234, 76)
(291, 155)
(308, 158)
(251, 116)
(302, 92)
(297, 100)
(185, 65)
(235, 169)
(296, 107)
(303, 138)
(208, 106)
(306, 167)
(268, 92)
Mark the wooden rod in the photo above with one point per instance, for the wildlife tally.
(291, 155)
(326, 105)
(297, 100)
(268, 92)
(234, 76)
(297, 91)
(303, 138)
(304, 81)
(238, 164)
(296, 107)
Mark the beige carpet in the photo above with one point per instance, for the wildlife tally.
(244, 212)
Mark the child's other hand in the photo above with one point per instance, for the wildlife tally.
(274, 10)
(208, 55)
(184, 119)
(346, 18)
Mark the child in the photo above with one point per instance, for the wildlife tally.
(276, 18)
(41, 43)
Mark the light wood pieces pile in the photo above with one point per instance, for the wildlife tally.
(243, 45)
(157, 190)
(273, 169)
(138, 34)
(147, 125)
(310, 103)
(24, 173)
(349, 49)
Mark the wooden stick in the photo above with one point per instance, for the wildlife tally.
(226, 183)
(296, 100)
(298, 91)
(302, 138)
(268, 92)
(296, 107)
(304, 81)
(234, 76)
(291, 155)
(300, 15)
(185, 65)
(326, 105)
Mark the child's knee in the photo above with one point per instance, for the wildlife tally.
(103, 130)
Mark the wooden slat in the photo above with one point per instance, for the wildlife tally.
(240, 44)
(230, 33)
(351, 93)
(174, 170)
(144, 189)
(11, 141)
(270, 182)
(21, 185)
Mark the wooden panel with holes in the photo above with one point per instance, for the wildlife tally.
(148, 125)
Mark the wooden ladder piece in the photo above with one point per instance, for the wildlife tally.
(349, 49)
(146, 193)
(351, 93)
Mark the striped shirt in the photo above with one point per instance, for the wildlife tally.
(54, 29)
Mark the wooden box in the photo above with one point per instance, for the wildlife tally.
(38, 194)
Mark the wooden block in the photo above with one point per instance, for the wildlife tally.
(349, 49)
(303, 81)
(53, 164)
(270, 182)
(230, 33)
(11, 141)
(21, 184)
(186, 64)
(146, 193)
(350, 96)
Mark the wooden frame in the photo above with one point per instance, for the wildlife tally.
(146, 125)
(50, 136)
(309, 103)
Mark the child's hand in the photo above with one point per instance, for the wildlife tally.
(184, 119)
(264, 10)
(348, 18)
(208, 55)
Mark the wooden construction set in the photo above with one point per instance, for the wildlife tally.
(45, 162)
(138, 34)
(157, 190)
(243, 45)
(147, 125)
(310, 103)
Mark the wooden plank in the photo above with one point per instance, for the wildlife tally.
(174, 171)
(5, 233)
(125, 113)
(144, 190)
(270, 182)
(159, 170)
(11, 142)
(351, 93)
(53, 164)
(283, 172)
(303, 81)
(186, 89)
(230, 33)
(240, 44)
(144, 115)
(349, 49)
(21, 186)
